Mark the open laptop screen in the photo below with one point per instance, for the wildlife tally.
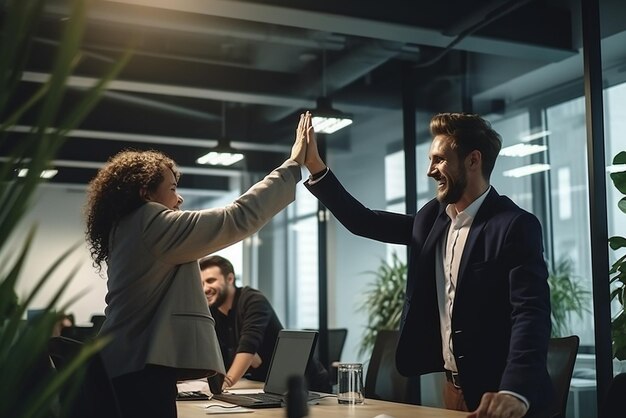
(291, 355)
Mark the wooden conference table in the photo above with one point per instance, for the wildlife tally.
(327, 408)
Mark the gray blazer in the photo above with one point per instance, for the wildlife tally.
(156, 309)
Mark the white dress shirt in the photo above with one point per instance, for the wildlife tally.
(449, 257)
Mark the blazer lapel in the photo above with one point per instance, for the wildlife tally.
(479, 223)
(440, 225)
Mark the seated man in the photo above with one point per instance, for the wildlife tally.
(247, 326)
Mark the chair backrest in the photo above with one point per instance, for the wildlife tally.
(561, 358)
(383, 381)
(79, 333)
(97, 321)
(336, 341)
(95, 395)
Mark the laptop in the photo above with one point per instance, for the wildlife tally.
(291, 355)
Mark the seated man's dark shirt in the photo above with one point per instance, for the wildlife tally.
(252, 326)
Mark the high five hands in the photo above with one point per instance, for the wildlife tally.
(299, 148)
(304, 150)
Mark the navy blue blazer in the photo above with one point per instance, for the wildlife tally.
(501, 314)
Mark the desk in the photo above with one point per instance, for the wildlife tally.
(327, 408)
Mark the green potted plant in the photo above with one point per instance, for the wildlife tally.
(26, 388)
(567, 297)
(617, 272)
(383, 301)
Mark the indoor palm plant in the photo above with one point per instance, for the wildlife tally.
(27, 387)
(567, 297)
(383, 301)
(617, 272)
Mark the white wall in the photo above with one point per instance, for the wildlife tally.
(58, 213)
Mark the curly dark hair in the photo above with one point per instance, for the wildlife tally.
(115, 192)
(469, 132)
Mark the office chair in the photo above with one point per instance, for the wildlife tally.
(612, 405)
(97, 321)
(94, 395)
(78, 333)
(561, 358)
(336, 341)
(383, 381)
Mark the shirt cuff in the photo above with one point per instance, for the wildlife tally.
(518, 396)
(314, 178)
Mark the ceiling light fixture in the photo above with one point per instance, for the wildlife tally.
(526, 170)
(522, 150)
(222, 154)
(532, 136)
(326, 119)
(45, 174)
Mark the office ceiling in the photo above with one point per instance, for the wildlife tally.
(203, 69)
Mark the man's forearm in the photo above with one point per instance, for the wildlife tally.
(241, 364)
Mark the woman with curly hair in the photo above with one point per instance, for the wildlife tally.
(156, 316)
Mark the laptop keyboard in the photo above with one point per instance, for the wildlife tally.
(252, 397)
(194, 395)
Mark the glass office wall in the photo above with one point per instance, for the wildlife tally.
(569, 202)
(543, 168)
(302, 282)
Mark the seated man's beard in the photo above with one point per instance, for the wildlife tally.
(219, 300)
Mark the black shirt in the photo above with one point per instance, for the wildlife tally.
(252, 326)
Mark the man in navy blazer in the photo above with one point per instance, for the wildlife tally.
(477, 298)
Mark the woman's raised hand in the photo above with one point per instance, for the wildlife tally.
(299, 148)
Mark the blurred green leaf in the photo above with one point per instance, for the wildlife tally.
(29, 388)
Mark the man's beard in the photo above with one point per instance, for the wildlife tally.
(220, 298)
(454, 188)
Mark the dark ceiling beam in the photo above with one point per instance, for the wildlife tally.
(127, 137)
(357, 26)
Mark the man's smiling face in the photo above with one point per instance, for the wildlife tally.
(447, 170)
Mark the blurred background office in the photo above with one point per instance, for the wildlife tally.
(216, 75)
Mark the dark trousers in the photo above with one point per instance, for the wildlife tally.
(150, 392)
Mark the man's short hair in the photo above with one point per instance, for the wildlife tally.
(469, 132)
(224, 265)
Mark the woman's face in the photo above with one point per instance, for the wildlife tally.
(165, 192)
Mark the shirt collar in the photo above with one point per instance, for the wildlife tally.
(465, 217)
